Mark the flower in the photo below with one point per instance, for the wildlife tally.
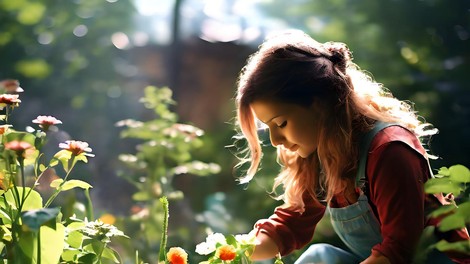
(18, 146)
(209, 246)
(4, 128)
(247, 239)
(205, 248)
(76, 147)
(46, 121)
(9, 99)
(177, 255)
(11, 86)
(226, 253)
(3, 182)
(108, 219)
(101, 231)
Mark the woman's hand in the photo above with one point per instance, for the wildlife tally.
(265, 248)
(376, 258)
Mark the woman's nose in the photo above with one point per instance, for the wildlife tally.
(276, 138)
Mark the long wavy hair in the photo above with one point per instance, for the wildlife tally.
(294, 68)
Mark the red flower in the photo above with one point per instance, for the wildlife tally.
(9, 99)
(76, 147)
(46, 121)
(226, 252)
(177, 255)
(11, 86)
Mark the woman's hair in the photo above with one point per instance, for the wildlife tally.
(294, 68)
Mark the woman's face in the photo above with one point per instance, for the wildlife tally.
(295, 127)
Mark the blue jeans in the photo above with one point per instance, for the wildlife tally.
(326, 254)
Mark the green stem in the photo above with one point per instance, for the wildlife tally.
(89, 206)
(39, 247)
(23, 181)
(162, 254)
(7, 113)
(59, 189)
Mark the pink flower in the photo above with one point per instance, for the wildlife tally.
(46, 121)
(20, 147)
(9, 99)
(76, 147)
(11, 86)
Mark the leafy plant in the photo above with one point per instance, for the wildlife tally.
(454, 183)
(164, 151)
(32, 231)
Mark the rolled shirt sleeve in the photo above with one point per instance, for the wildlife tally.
(292, 230)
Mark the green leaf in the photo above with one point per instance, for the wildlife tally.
(34, 219)
(443, 209)
(231, 240)
(53, 162)
(69, 255)
(74, 239)
(81, 157)
(451, 222)
(444, 171)
(464, 210)
(56, 183)
(461, 246)
(64, 156)
(70, 184)
(93, 246)
(21, 136)
(52, 244)
(111, 254)
(442, 185)
(141, 196)
(459, 173)
(33, 201)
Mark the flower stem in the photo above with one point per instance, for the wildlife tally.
(59, 188)
(162, 254)
(89, 206)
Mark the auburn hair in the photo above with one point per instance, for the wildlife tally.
(294, 68)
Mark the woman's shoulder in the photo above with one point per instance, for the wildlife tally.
(398, 134)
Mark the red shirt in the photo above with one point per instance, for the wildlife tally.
(396, 170)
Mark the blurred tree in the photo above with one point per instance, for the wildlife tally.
(70, 58)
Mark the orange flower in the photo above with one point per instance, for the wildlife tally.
(4, 128)
(177, 255)
(76, 147)
(9, 99)
(226, 252)
(46, 121)
(108, 219)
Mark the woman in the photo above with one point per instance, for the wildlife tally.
(343, 141)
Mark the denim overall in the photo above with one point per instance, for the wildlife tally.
(355, 224)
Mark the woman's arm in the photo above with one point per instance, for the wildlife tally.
(265, 248)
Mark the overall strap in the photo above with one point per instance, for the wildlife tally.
(364, 150)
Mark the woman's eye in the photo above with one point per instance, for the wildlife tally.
(283, 124)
